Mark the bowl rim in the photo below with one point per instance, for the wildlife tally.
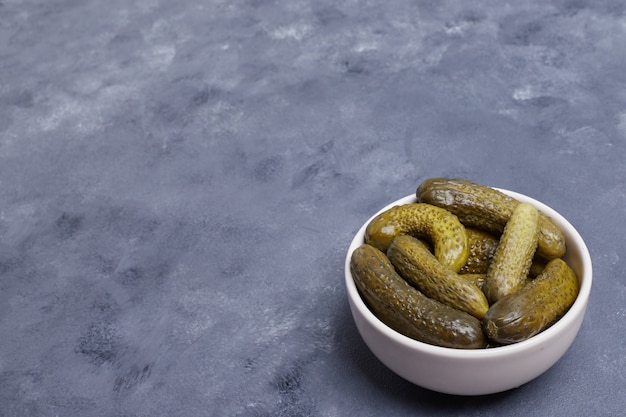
(578, 307)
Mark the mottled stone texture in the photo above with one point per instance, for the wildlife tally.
(180, 180)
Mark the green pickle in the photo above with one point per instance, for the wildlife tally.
(535, 307)
(442, 228)
(416, 264)
(407, 310)
(514, 255)
(482, 245)
(487, 209)
(474, 279)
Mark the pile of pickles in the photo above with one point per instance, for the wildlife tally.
(464, 267)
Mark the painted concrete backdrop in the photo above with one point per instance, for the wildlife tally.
(180, 181)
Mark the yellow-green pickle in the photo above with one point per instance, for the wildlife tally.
(482, 246)
(487, 209)
(407, 310)
(535, 307)
(514, 255)
(474, 279)
(442, 228)
(416, 264)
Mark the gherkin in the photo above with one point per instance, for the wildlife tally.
(416, 264)
(440, 227)
(407, 310)
(488, 209)
(481, 245)
(514, 255)
(535, 307)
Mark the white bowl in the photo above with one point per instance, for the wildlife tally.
(480, 371)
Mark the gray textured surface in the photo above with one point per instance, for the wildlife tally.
(179, 182)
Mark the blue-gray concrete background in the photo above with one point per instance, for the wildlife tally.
(180, 180)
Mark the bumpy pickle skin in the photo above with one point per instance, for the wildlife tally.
(488, 209)
(416, 264)
(474, 279)
(482, 246)
(513, 257)
(442, 228)
(535, 307)
(536, 267)
(407, 310)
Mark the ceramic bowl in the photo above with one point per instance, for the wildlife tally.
(481, 371)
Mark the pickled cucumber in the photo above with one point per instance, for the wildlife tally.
(416, 264)
(407, 310)
(535, 307)
(474, 279)
(482, 246)
(442, 228)
(536, 267)
(513, 256)
(488, 209)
